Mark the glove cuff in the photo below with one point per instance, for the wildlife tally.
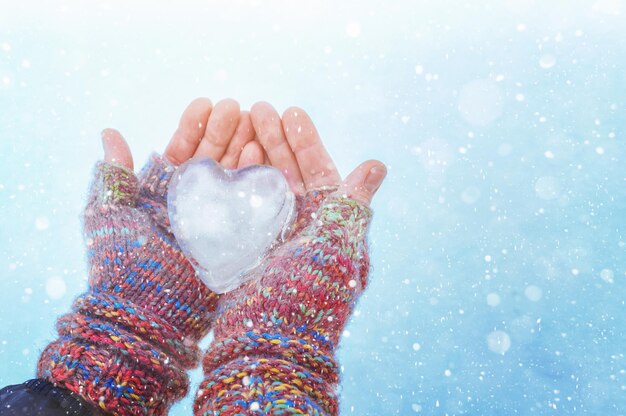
(117, 377)
(266, 370)
(138, 324)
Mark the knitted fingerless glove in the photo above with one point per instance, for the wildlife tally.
(275, 337)
(128, 340)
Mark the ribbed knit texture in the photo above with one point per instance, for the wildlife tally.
(128, 340)
(275, 337)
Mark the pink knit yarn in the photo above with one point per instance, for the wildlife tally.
(126, 344)
(275, 337)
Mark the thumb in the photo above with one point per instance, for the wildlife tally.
(362, 184)
(116, 150)
(114, 182)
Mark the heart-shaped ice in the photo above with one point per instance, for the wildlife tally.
(226, 220)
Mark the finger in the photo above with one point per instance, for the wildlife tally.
(116, 150)
(243, 135)
(362, 184)
(220, 128)
(266, 159)
(269, 131)
(252, 154)
(190, 130)
(316, 166)
(114, 182)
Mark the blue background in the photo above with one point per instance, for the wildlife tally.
(498, 246)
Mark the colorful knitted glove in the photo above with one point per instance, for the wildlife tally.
(275, 337)
(130, 337)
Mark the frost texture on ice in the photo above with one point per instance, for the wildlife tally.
(226, 220)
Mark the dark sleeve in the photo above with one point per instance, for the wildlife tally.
(40, 398)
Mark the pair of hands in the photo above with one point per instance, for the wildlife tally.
(137, 327)
(237, 139)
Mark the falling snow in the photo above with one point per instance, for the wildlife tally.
(497, 243)
(55, 287)
(498, 342)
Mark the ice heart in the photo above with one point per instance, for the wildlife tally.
(226, 220)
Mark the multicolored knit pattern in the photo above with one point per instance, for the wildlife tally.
(128, 340)
(276, 336)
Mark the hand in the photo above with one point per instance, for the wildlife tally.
(293, 145)
(275, 336)
(129, 339)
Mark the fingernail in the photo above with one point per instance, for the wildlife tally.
(375, 178)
